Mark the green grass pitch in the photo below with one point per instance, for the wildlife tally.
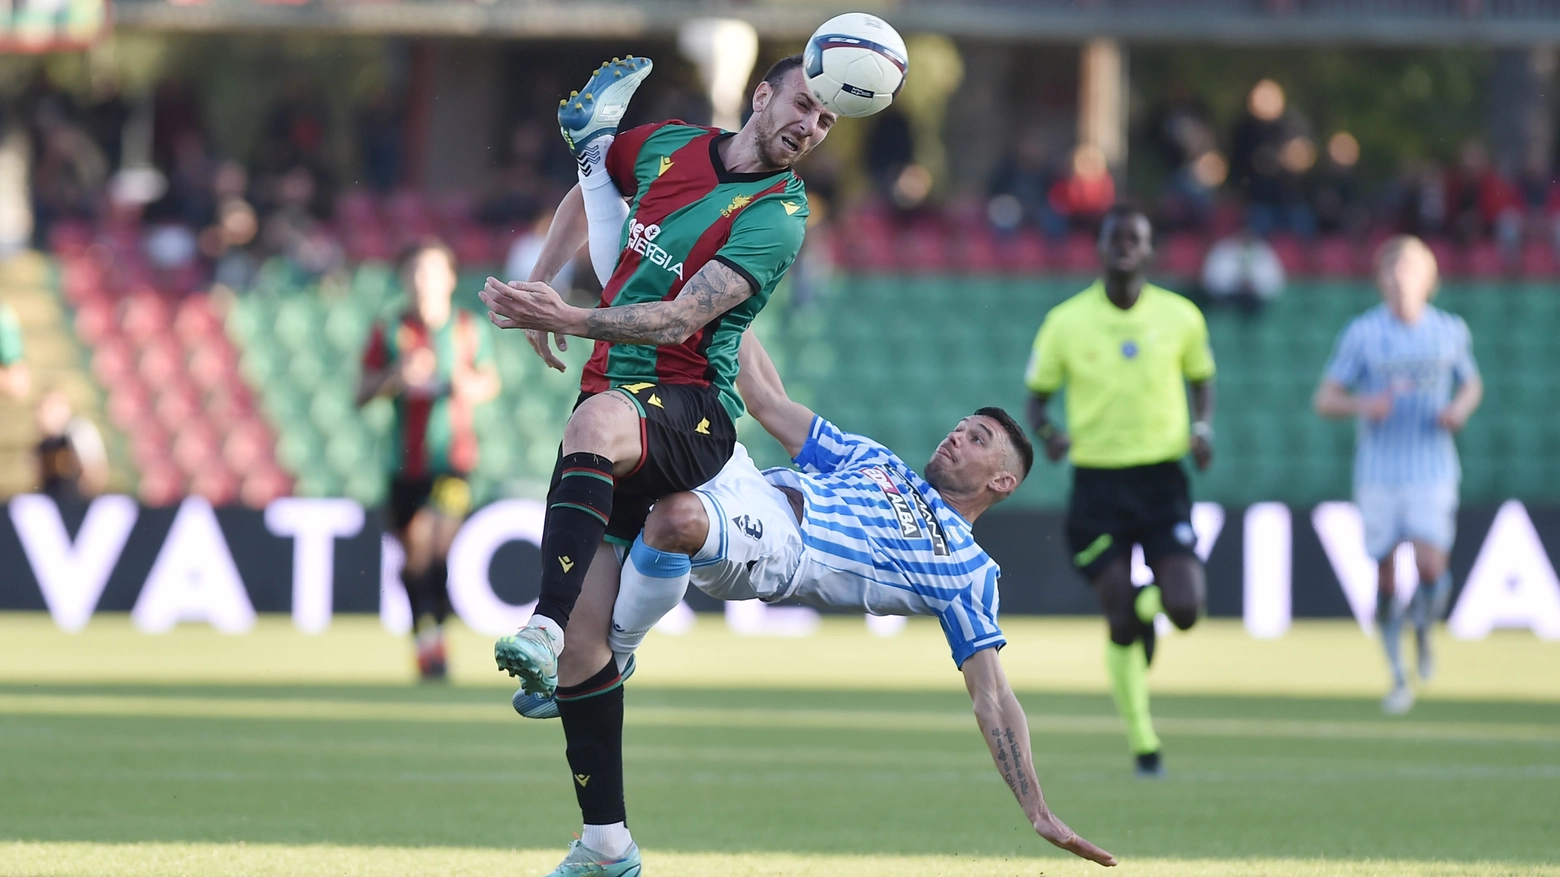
(142, 762)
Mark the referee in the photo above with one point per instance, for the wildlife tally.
(1125, 350)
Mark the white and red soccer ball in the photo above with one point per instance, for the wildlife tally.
(855, 64)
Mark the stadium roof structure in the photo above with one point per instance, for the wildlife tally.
(1380, 22)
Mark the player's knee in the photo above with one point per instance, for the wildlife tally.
(606, 425)
(1123, 631)
(677, 524)
(1182, 613)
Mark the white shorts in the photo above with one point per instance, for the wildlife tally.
(1399, 513)
(755, 545)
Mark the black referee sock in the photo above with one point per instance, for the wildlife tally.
(592, 714)
(578, 509)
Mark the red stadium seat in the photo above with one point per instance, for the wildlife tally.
(1448, 258)
(112, 360)
(1334, 256)
(161, 485)
(244, 448)
(143, 314)
(975, 251)
(160, 362)
(217, 485)
(195, 449)
(94, 321)
(1291, 252)
(264, 485)
(1181, 255)
(176, 407)
(1538, 260)
(70, 237)
(194, 320)
(923, 249)
(1483, 260)
(128, 404)
(212, 364)
(1024, 253)
(1078, 254)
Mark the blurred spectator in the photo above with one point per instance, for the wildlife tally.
(527, 248)
(15, 380)
(294, 139)
(1480, 201)
(890, 148)
(72, 464)
(227, 245)
(1021, 188)
(68, 170)
(105, 119)
(292, 232)
(1244, 271)
(176, 115)
(379, 125)
(1334, 189)
(1083, 196)
(1269, 151)
(523, 189)
(1182, 131)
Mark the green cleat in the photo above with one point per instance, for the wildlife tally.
(582, 861)
(529, 654)
(598, 107)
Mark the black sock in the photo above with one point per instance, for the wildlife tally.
(436, 582)
(577, 513)
(592, 714)
(416, 584)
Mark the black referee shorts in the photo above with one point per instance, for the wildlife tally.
(1113, 509)
(686, 437)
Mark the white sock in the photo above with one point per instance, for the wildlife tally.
(652, 584)
(611, 841)
(552, 628)
(605, 211)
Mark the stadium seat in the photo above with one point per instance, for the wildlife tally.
(1483, 260)
(1291, 251)
(1537, 260)
(1078, 255)
(1181, 255)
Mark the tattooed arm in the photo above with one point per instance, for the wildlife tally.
(715, 289)
(1006, 731)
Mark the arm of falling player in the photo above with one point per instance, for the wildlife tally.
(789, 421)
(1006, 732)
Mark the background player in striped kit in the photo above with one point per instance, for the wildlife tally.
(856, 529)
(436, 363)
(714, 221)
(1405, 371)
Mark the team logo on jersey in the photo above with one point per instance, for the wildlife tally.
(939, 538)
(736, 204)
(1129, 349)
(750, 526)
(635, 388)
(641, 239)
(908, 526)
(666, 165)
(790, 209)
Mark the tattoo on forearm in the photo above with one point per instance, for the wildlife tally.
(708, 294)
(1022, 789)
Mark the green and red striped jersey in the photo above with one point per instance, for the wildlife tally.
(433, 435)
(685, 210)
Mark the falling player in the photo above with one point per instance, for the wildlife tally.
(1405, 370)
(713, 222)
(1126, 351)
(858, 530)
(436, 362)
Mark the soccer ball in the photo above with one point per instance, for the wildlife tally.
(855, 64)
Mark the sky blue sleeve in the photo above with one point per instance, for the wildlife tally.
(1464, 367)
(830, 449)
(970, 620)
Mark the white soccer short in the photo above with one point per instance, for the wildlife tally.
(755, 545)
(1398, 513)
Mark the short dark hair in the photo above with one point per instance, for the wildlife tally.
(1123, 210)
(1015, 434)
(781, 69)
(417, 248)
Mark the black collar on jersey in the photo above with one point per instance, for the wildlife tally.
(726, 176)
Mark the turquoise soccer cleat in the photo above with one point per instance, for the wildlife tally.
(582, 861)
(536, 706)
(529, 655)
(598, 108)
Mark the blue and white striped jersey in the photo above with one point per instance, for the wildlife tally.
(881, 539)
(1420, 366)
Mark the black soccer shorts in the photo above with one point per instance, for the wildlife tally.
(685, 435)
(1113, 509)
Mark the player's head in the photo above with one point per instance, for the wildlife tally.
(1407, 275)
(787, 121)
(987, 452)
(1126, 242)
(428, 276)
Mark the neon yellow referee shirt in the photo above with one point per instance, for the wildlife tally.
(1125, 373)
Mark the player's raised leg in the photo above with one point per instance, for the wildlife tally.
(589, 119)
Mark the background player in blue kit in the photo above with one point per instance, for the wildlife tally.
(1405, 370)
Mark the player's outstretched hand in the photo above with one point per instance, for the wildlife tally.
(1057, 832)
(522, 305)
(1452, 418)
(538, 340)
(1057, 446)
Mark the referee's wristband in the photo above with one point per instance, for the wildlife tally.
(1203, 430)
(1045, 432)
